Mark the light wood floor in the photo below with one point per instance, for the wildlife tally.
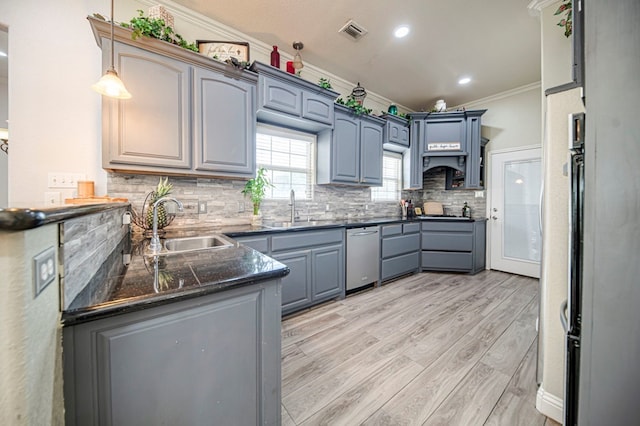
(429, 349)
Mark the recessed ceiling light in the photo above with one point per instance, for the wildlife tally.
(464, 80)
(401, 31)
(3, 54)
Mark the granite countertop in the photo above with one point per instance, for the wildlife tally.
(130, 280)
(276, 227)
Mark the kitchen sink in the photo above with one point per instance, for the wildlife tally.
(179, 245)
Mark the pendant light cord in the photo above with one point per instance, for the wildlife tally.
(112, 42)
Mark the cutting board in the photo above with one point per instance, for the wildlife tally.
(95, 200)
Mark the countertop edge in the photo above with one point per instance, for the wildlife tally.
(107, 310)
(21, 219)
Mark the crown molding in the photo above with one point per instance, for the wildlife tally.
(536, 6)
(501, 95)
(312, 73)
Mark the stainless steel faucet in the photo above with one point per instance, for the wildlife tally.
(292, 203)
(155, 246)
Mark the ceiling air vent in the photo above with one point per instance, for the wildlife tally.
(354, 30)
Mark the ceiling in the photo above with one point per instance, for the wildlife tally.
(495, 42)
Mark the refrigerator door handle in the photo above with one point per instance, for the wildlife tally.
(563, 315)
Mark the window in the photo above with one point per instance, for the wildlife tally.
(288, 157)
(391, 179)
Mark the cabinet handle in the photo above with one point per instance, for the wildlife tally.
(494, 217)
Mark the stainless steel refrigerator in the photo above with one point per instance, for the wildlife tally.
(571, 312)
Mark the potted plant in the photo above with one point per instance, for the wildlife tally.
(256, 188)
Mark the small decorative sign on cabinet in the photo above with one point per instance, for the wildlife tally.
(443, 146)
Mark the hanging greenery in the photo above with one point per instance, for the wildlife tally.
(325, 83)
(566, 22)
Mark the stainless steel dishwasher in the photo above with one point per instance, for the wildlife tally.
(363, 256)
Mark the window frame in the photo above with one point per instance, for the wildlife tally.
(283, 132)
(380, 190)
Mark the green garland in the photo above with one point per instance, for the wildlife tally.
(156, 28)
(356, 106)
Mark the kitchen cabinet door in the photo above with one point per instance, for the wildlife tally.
(352, 153)
(444, 129)
(224, 124)
(328, 272)
(371, 136)
(345, 149)
(149, 132)
(396, 134)
(179, 363)
(296, 287)
(412, 172)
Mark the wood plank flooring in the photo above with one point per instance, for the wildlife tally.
(428, 349)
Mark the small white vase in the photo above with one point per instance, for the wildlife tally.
(256, 220)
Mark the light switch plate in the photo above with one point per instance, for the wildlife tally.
(44, 269)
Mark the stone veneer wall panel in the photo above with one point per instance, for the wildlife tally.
(87, 241)
(223, 197)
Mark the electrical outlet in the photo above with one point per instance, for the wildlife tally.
(51, 199)
(44, 269)
(202, 207)
(240, 206)
(326, 208)
(479, 194)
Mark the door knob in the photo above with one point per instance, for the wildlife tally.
(494, 217)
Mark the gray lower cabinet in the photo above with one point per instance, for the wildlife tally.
(296, 287)
(188, 115)
(457, 246)
(315, 260)
(352, 152)
(210, 360)
(399, 250)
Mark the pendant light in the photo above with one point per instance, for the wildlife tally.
(297, 59)
(110, 84)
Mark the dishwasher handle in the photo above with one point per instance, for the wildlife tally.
(359, 234)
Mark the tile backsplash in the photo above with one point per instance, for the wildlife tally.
(225, 201)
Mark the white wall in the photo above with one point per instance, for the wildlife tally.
(30, 353)
(512, 118)
(556, 49)
(54, 114)
(4, 159)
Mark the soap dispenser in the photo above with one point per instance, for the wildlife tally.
(466, 210)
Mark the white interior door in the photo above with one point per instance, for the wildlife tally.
(514, 218)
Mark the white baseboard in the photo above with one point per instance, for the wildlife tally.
(550, 405)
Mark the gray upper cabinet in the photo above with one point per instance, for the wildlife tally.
(412, 158)
(351, 153)
(287, 100)
(396, 133)
(451, 139)
(224, 124)
(149, 131)
(189, 114)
